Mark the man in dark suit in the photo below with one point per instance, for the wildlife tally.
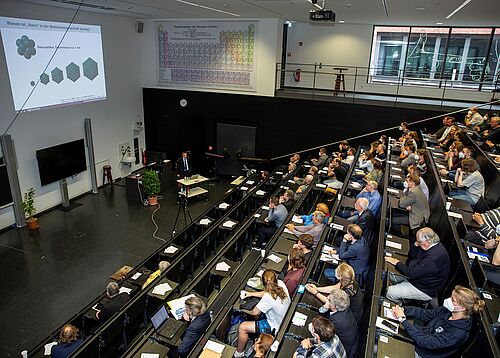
(68, 342)
(426, 272)
(417, 205)
(355, 251)
(341, 315)
(116, 300)
(199, 320)
(184, 166)
(366, 221)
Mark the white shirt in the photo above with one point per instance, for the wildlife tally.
(275, 309)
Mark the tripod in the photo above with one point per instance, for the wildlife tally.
(183, 205)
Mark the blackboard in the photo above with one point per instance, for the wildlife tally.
(5, 194)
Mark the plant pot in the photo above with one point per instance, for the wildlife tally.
(32, 223)
(153, 200)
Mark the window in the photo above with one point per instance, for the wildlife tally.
(436, 56)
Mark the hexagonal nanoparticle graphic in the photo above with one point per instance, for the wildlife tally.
(90, 69)
(44, 78)
(73, 72)
(57, 75)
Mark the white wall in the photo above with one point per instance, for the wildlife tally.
(112, 119)
(269, 36)
(348, 45)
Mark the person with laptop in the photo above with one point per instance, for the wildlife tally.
(445, 328)
(199, 319)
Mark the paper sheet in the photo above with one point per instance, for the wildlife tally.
(291, 182)
(327, 249)
(222, 266)
(204, 221)
(274, 258)
(223, 205)
(125, 289)
(328, 258)
(391, 162)
(297, 220)
(388, 313)
(440, 166)
(284, 187)
(171, 249)
(355, 185)
(446, 180)
(393, 244)
(250, 182)
(286, 231)
(136, 276)
(260, 192)
(260, 273)
(395, 191)
(321, 186)
(339, 197)
(397, 169)
(448, 205)
(395, 176)
(384, 339)
(279, 173)
(161, 289)
(256, 216)
(48, 348)
(178, 306)
(244, 188)
(214, 346)
(150, 355)
(229, 224)
(299, 319)
(265, 207)
(337, 226)
(438, 155)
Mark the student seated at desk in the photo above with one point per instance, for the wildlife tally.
(68, 342)
(275, 218)
(274, 303)
(355, 250)
(162, 266)
(446, 328)
(199, 320)
(315, 229)
(312, 171)
(321, 207)
(346, 282)
(295, 270)
(488, 221)
(337, 310)
(469, 181)
(493, 272)
(426, 272)
(115, 302)
(305, 244)
(324, 344)
(287, 199)
(307, 181)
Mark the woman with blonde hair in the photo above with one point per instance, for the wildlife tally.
(445, 328)
(347, 283)
(274, 302)
(321, 207)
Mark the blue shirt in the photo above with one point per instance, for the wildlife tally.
(277, 215)
(374, 200)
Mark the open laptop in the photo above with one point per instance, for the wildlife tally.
(165, 326)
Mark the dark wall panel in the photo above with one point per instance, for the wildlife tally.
(283, 125)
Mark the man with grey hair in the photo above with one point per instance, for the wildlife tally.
(115, 300)
(341, 315)
(426, 272)
(162, 266)
(315, 229)
(307, 181)
(366, 221)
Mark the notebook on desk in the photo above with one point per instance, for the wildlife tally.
(163, 325)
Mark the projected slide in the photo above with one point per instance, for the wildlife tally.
(75, 73)
(214, 54)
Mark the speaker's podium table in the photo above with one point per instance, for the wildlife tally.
(189, 186)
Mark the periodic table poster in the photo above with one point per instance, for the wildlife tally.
(208, 54)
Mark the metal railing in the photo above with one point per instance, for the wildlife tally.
(361, 81)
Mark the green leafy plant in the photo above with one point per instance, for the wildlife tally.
(150, 182)
(29, 203)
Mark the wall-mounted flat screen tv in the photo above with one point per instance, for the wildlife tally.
(61, 161)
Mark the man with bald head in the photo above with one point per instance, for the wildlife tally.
(366, 221)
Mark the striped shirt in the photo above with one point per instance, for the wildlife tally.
(491, 219)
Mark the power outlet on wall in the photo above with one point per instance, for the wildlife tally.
(124, 149)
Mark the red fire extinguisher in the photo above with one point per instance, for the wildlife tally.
(144, 158)
(296, 75)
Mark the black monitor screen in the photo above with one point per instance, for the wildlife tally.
(61, 161)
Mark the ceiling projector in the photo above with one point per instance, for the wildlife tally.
(321, 15)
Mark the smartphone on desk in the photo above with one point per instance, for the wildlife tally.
(301, 289)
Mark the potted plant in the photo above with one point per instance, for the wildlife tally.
(30, 210)
(151, 185)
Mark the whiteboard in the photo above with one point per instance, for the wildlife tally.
(207, 54)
